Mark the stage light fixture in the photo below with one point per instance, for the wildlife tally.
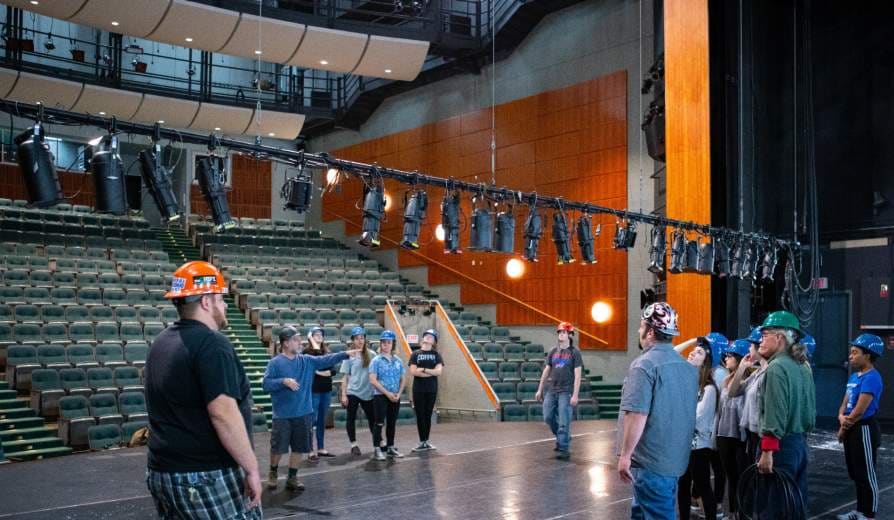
(450, 222)
(625, 236)
(721, 256)
(585, 239)
(212, 176)
(691, 263)
(678, 252)
(505, 234)
(297, 192)
(562, 238)
(533, 232)
(109, 183)
(706, 255)
(373, 211)
(749, 259)
(482, 233)
(737, 259)
(658, 250)
(158, 179)
(38, 168)
(768, 266)
(415, 207)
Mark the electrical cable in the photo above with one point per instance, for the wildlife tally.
(769, 496)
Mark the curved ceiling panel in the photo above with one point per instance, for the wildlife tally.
(279, 39)
(7, 80)
(61, 9)
(282, 125)
(189, 24)
(104, 101)
(392, 58)
(329, 49)
(133, 17)
(176, 113)
(230, 120)
(52, 92)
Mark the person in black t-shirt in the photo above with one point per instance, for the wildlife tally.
(560, 386)
(425, 367)
(199, 404)
(321, 390)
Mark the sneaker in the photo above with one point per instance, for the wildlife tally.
(556, 448)
(325, 454)
(272, 477)
(430, 445)
(293, 484)
(355, 451)
(313, 457)
(851, 515)
(378, 454)
(421, 447)
(394, 454)
(563, 455)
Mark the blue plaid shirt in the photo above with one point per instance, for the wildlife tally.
(387, 372)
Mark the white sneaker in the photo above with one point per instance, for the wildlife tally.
(851, 515)
(420, 447)
(378, 454)
(393, 453)
(430, 446)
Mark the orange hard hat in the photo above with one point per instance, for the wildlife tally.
(567, 327)
(196, 278)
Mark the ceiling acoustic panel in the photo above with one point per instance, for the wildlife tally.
(279, 39)
(8, 78)
(392, 58)
(189, 24)
(281, 125)
(108, 102)
(329, 49)
(62, 9)
(176, 113)
(230, 120)
(132, 17)
(52, 92)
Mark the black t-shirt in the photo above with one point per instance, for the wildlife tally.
(321, 384)
(189, 365)
(423, 359)
(562, 362)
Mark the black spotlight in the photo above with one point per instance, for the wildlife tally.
(450, 222)
(562, 238)
(108, 176)
(158, 179)
(706, 258)
(737, 259)
(721, 256)
(373, 211)
(658, 250)
(750, 261)
(38, 168)
(296, 193)
(482, 234)
(678, 252)
(415, 206)
(533, 232)
(690, 265)
(505, 235)
(768, 267)
(625, 236)
(211, 174)
(585, 238)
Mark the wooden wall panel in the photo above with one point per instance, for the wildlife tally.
(250, 196)
(570, 143)
(688, 147)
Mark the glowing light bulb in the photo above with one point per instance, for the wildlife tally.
(601, 312)
(515, 268)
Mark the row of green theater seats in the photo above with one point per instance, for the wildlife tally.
(327, 288)
(138, 252)
(74, 239)
(79, 332)
(81, 418)
(249, 277)
(48, 385)
(51, 312)
(483, 334)
(335, 317)
(31, 220)
(249, 222)
(58, 228)
(113, 436)
(61, 209)
(289, 261)
(524, 392)
(113, 297)
(102, 280)
(534, 412)
(506, 352)
(511, 371)
(463, 317)
(210, 243)
(255, 303)
(22, 360)
(87, 265)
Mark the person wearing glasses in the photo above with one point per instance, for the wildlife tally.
(561, 380)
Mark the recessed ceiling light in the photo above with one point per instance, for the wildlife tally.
(116, 24)
(34, 2)
(217, 129)
(102, 113)
(324, 62)
(188, 39)
(387, 71)
(161, 121)
(259, 52)
(271, 134)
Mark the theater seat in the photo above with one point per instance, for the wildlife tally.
(74, 420)
(104, 436)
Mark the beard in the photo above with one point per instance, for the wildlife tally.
(221, 319)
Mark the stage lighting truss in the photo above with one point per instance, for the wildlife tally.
(586, 238)
(658, 250)
(533, 232)
(450, 213)
(625, 235)
(373, 211)
(562, 237)
(415, 208)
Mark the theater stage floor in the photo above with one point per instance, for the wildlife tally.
(480, 471)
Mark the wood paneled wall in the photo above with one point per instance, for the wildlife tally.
(570, 143)
(250, 196)
(688, 147)
(12, 186)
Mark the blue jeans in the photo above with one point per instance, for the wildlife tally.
(321, 403)
(557, 412)
(792, 459)
(654, 495)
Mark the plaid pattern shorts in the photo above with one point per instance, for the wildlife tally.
(200, 495)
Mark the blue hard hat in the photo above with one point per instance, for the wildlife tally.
(870, 342)
(431, 332)
(809, 343)
(740, 347)
(358, 331)
(717, 343)
(315, 329)
(388, 334)
(755, 336)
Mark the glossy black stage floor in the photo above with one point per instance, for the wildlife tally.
(480, 471)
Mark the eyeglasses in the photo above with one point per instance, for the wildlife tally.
(765, 333)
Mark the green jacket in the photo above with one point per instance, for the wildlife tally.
(788, 401)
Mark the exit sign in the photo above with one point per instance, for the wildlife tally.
(412, 338)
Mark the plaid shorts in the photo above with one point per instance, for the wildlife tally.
(201, 495)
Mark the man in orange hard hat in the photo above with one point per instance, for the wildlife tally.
(201, 462)
(560, 386)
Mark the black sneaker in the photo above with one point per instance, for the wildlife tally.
(421, 447)
(563, 455)
(325, 454)
(355, 451)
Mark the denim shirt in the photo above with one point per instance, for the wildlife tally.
(387, 372)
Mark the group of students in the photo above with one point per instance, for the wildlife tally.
(300, 384)
(727, 438)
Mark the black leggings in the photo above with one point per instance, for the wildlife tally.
(698, 473)
(860, 447)
(353, 403)
(386, 415)
(734, 460)
(424, 406)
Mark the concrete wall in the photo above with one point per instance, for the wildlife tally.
(574, 45)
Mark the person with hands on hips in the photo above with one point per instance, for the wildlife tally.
(560, 380)
(859, 429)
(388, 378)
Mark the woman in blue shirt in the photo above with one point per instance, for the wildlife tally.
(859, 430)
(388, 378)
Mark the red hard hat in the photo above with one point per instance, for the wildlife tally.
(196, 278)
(566, 326)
